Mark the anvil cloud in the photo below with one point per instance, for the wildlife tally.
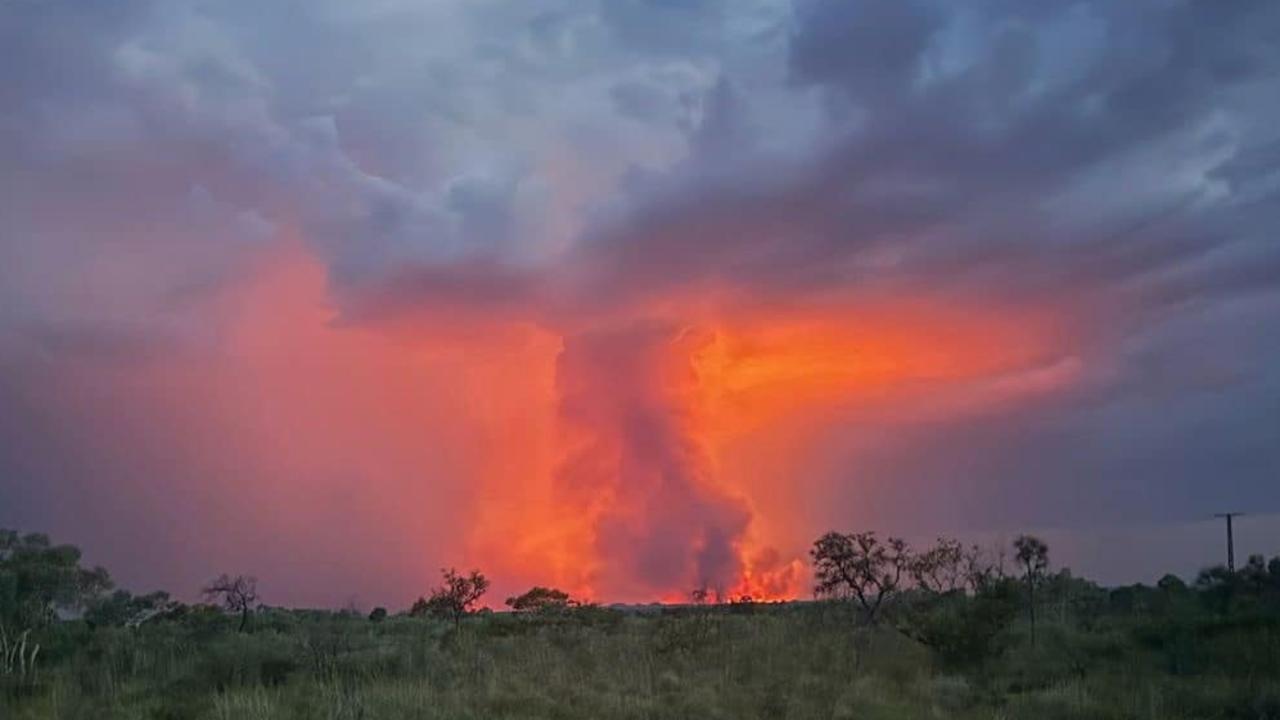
(629, 296)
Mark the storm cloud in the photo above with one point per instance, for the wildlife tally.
(327, 256)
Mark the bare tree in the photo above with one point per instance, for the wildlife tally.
(455, 598)
(1033, 557)
(861, 567)
(237, 594)
(942, 569)
(985, 567)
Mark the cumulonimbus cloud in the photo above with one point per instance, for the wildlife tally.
(633, 296)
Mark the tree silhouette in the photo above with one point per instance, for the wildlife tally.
(541, 600)
(1033, 557)
(861, 567)
(455, 598)
(1253, 576)
(236, 594)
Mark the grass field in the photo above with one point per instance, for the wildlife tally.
(765, 661)
(963, 639)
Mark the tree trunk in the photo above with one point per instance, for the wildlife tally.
(1031, 608)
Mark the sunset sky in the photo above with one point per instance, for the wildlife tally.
(633, 296)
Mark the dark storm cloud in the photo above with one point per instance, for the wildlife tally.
(1118, 155)
(1018, 158)
(871, 50)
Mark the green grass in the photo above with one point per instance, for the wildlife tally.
(777, 662)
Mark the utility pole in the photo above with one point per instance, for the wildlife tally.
(1231, 541)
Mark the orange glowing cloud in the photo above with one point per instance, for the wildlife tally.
(631, 458)
(644, 489)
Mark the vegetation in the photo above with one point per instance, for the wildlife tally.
(1033, 557)
(541, 600)
(237, 594)
(939, 633)
(455, 598)
(860, 567)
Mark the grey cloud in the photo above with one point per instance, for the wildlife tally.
(976, 157)
(559, 162)
(645, 101)
(872, 50)
(1130, 172)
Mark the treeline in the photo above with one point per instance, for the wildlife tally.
(963, 601)
(968, 606)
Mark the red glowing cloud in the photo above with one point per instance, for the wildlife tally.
(632, 457)
(643, 487)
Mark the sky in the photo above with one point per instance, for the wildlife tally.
(630, 297)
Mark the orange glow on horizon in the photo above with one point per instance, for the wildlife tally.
(746, 378)
(516, 433)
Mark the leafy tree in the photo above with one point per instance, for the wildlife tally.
(38, 578)
(1217, 587)
(378, 615)
(1033, 557)
(541, 600)
(859, 566)
(1253, 576)
(455, 598)
(1171, 584)
(236, 594)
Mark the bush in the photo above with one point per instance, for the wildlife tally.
(243, 660)
(965, 633)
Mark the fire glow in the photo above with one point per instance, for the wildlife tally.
(634, 459)
(645, 496)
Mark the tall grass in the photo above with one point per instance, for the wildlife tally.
(795, 662)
